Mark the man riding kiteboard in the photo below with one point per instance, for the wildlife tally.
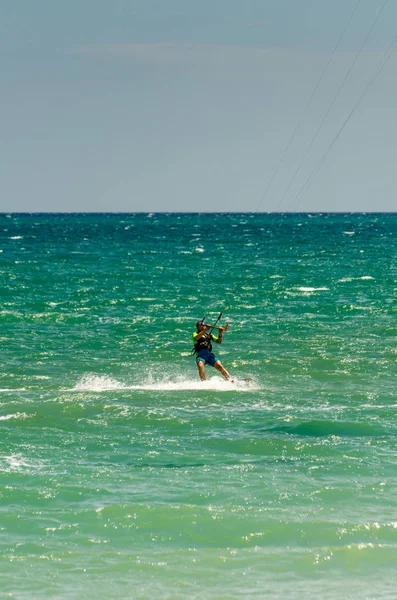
(202, 339)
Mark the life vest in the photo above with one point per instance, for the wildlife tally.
(203, 342)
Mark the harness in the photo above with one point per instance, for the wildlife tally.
(203, 342)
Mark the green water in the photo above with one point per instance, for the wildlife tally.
(124, 476)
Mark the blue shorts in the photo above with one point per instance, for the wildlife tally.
(206, 357)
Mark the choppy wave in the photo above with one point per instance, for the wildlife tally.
(14, 416)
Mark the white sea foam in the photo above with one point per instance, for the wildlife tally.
(14, 416)
(96, 383)
(216, 384)
(363, 278)
(312, 289)
(306, 291)
(18, 463)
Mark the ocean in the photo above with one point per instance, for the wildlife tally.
(122, 475)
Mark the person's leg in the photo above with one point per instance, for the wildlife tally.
(219, 367)
(200, 366)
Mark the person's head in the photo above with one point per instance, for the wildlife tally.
(200, 325)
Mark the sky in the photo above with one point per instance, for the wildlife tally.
(187, 106)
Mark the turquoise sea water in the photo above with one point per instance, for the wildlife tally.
(123, 476)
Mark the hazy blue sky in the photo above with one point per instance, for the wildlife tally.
(181, 105)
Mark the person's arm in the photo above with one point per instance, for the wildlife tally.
(200, 334)
(220, 333)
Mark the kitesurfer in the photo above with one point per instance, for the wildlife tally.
(203, 348)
